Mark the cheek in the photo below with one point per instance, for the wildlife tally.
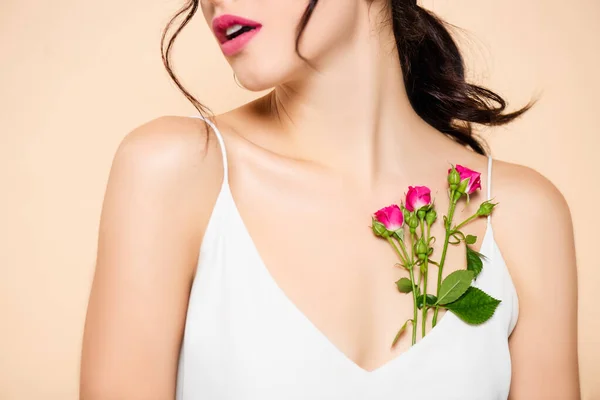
(271, 58)
(331, 27)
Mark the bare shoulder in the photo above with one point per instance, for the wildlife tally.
(171, 157)
(528, 202)
(162, 186)
(519, 183)
(168, 144)
(532, 214)
(533, 229)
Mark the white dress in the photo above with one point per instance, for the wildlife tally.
(244, 338)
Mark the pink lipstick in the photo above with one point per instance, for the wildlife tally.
(234, 32)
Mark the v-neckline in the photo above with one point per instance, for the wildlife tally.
(398, 359)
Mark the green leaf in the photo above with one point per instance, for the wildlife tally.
(454, 286)
(431, 300)
(404, 285)
(474, 307)
(471, 239)
(400, 332)
(474, 261)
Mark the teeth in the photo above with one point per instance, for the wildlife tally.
(233, 29)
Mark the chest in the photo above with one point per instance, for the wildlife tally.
(245, 339)
(317, 247)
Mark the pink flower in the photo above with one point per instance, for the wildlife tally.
(473, 176)
(391, 217)
(417, 197)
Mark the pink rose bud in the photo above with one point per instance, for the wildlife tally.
(390, 217)
(474, 179)
(417, 198)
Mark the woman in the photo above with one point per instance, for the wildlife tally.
(291, 295)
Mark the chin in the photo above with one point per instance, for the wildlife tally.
(266, 73)
(258, 79)
(257, 84)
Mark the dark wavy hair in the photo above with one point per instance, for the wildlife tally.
(432, 65)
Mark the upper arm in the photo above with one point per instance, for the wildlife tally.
(150, 230)
(533, 223)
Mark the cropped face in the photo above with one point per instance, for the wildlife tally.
(258, 37)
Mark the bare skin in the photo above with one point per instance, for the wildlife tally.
(309, 164)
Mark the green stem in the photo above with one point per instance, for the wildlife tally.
(466, 221)
(413, 238)
(415, 324)
(391, 241)
(451, 209)
(403, 248)
(415, 315)
(412, 282)
(425, 275)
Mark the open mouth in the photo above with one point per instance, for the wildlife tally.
(228, 27)
(237, 30)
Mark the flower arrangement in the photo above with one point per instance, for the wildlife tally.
(454, 293)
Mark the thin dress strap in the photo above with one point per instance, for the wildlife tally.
(489, 182)
(221, 145)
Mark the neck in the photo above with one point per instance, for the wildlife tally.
(353, 114)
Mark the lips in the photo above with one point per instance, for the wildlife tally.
(223, 22)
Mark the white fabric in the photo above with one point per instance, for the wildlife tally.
(244, 339)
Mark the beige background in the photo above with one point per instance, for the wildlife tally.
(76, 76)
